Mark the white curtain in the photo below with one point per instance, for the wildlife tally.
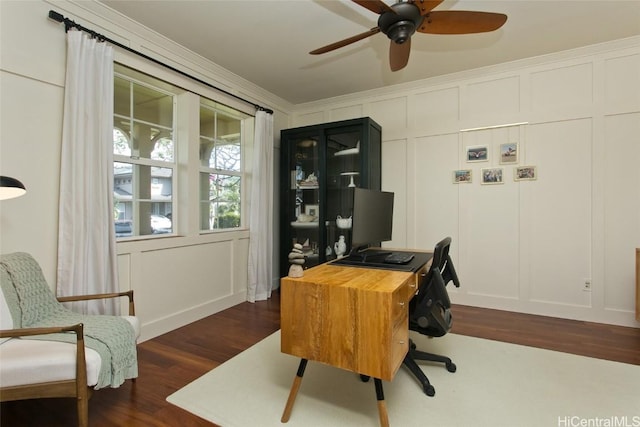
(86, 235)
(261, 214)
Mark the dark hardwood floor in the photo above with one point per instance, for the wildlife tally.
(170, 361)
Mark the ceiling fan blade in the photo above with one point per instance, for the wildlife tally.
(399, 54)
(461, 22)
(376, 6)
(345, 42)
(426, 6)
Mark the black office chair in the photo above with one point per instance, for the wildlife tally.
(430, 312)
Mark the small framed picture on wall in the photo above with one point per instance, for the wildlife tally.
(492, 176)
(509, 153)
(462, 176)
(525, 173)
(478, 153)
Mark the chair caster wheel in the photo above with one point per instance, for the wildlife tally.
(413, 345)
(364, 378)
(451, 367)
(429, 390)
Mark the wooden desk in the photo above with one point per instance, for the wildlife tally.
(348, 317)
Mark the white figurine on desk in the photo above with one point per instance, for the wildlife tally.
(296, 259)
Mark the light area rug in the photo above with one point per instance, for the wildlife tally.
(496, 384)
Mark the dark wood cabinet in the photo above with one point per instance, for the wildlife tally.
(320, 166)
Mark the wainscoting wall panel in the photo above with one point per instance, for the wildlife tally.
(436, 197)
(346, 113)
(395, 153)
(209, 278)
(493, 101)
(390, 113)
(560, 227)
(621, 207)
(436, 111)
(622, 84)
(563, 90)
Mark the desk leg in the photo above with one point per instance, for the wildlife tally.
(382, 407)
(294, 391)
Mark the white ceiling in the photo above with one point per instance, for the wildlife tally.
(267, 41)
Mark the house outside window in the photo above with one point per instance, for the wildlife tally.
(221, 166)
(144, 152)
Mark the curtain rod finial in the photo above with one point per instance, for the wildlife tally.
(56, 16)
(261, 108)
(68, 23)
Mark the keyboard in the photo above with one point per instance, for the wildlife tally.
(398, 258)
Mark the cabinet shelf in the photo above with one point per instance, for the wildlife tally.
(310, 224)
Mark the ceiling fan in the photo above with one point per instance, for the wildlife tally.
(402, 19)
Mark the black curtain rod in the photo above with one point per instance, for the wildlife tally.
(68, 24)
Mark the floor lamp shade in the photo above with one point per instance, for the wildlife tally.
(10, 188)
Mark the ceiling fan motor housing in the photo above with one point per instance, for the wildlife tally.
(400, 24)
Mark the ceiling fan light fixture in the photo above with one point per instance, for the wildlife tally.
(401, 31)
(400, 24)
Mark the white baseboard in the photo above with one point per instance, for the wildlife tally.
(162, 326)
(562, 311)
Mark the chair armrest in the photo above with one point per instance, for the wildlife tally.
(128, 294)
(81, 362)
(24, 332)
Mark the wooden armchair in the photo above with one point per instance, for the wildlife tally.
(39, 368)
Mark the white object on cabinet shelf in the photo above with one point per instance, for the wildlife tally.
(349, 151)
(351, 175)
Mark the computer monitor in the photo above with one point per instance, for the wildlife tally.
(372, 221)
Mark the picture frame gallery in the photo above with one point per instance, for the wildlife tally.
(508, 153)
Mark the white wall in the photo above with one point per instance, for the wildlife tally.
(524, 246)
(176, 280)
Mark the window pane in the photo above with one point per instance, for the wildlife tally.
(123, 198)
(121, 98)
(148, 141)
(153, 222)
(163, 149)
(121, 145)
(207, 122)
(221, 155)
(152, 106)
(220, 140)
(143, 199)
(220, 201)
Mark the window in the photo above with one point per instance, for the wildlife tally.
(148, 160)
(144, 167)
(221, 166)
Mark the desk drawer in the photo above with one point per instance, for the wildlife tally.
(399, 343)
(401, 298)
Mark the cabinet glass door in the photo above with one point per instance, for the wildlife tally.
(304, 203)
(344, 172)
